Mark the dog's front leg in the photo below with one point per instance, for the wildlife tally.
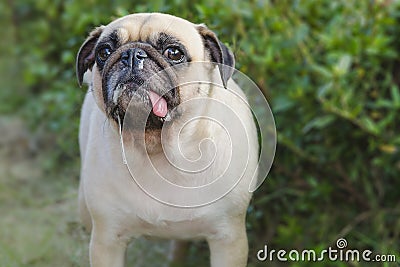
(230, 250)
(106, 250)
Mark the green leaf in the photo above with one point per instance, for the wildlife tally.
(395, 95)
(323, 71)
(342, 67)
(369, 125)
(282, 103)
(318, 123)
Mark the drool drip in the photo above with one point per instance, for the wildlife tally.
(121, 140)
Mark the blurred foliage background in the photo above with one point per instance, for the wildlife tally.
(330, 70)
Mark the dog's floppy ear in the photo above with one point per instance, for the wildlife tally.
(219, 53)
(85, 58)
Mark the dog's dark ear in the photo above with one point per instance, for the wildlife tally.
(219, 53)
(85, 58)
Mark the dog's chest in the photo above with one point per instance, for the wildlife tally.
(124, 193)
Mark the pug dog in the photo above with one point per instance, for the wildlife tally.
(156, 83)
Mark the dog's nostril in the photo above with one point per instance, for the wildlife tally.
(126, 58)
(140, 54)
(133, 57)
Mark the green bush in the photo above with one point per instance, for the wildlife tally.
(329, 68)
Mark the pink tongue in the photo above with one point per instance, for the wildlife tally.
(159, 104)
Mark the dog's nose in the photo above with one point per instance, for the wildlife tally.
(134, 57)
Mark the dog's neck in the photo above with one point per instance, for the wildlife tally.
(149, 142)
(152, 140)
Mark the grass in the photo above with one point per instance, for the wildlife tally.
(39, 224)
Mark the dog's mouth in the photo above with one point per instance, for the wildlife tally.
(142, 100)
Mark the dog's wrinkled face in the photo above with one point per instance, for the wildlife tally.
(125, 55)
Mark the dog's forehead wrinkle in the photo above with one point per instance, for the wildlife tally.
(122, 35)
(141, 27)
(162, 39)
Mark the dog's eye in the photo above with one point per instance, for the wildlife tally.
(104, 53)
(174, 54)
